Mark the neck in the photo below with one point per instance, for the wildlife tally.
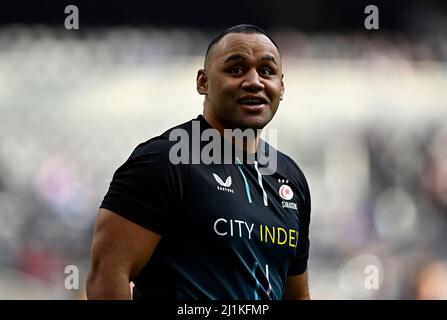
(249, 145)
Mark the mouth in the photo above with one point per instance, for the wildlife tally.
(252, 102)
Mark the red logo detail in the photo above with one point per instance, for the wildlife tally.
(285, 192)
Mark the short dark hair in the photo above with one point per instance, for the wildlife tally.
(240, 28)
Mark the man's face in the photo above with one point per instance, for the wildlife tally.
(242, 81)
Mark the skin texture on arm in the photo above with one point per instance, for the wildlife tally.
(119, 252)
(297, 287)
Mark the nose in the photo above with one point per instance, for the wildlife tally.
(252, 81)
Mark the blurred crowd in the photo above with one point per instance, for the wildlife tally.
(74, 105)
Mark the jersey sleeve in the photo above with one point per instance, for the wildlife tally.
(299, 264)
(147, 189)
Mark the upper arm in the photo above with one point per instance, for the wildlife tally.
(297, 287)
(298, 264)
(120, 247)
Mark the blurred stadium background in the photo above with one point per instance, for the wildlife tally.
(364, 114)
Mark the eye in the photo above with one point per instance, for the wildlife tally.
(266, 72)
(236, 70)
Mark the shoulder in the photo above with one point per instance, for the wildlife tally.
(160, 146)
(297, 173)
(290, 165)
(155, 147)
(285, 164)
(287, 167)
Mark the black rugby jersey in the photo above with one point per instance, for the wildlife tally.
(228, 231)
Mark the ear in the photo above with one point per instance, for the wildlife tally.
(202, 82)
(282, 86)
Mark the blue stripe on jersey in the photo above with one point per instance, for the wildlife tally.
(247, 187)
